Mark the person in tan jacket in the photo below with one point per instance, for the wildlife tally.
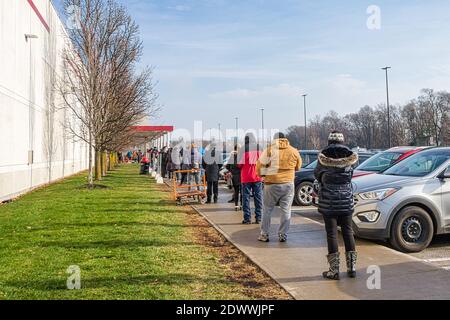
(277, 165)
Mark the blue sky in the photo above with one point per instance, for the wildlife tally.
(218, 59)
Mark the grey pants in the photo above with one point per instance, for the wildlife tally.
(282, 194)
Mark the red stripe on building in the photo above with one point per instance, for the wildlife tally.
(41, 18)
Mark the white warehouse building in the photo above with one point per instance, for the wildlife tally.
(34, 147)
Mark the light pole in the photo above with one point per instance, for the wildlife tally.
(220, 134)
(262, 126)
(29, 37)
(237, 131)
(304, 107)
(388, 106)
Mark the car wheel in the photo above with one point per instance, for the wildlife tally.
(412, 230)
(304, 194)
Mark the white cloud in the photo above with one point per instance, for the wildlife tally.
(346, 84)
(283, 90)
(181, 8)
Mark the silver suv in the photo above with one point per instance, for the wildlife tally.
(407, 204)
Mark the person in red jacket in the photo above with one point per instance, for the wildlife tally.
(251, 182)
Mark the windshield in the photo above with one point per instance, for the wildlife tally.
(419, 165)
(380, 162)
(312, 165)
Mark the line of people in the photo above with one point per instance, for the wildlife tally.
(194, 164)
(270, 175)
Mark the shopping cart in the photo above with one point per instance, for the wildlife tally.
(187, 193)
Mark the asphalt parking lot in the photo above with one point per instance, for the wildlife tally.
(437, 254)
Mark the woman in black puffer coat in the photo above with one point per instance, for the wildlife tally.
(334, 173)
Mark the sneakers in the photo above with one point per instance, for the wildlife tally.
(237, 208)
(283, 238)
(257, 221)
(246, 222)
(264, 238)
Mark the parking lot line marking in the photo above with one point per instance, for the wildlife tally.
(322, 224)
(386, 248)
(437, 260)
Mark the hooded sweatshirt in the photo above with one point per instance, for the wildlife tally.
(279, 162)
(247, 158)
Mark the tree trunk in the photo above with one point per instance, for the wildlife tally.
(90, 174)
(103, 163)
(98, 165)
(111, 162)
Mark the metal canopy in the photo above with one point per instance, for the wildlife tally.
(144, 134)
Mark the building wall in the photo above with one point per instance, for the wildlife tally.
(31, 113)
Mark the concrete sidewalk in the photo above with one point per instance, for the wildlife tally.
(297, 265)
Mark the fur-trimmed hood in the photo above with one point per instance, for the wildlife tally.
(337, 156)
(338, 163)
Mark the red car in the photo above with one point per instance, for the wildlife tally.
(384, 160)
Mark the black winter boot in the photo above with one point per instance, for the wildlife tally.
(351, 256)
(334, 262)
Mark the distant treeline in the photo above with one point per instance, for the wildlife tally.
(424, 121)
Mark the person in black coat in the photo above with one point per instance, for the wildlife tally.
(164, 160)
(212, 165)
(334, 174)
(235, 171)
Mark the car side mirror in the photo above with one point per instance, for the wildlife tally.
(445, 175)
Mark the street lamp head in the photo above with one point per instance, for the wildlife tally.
(386, 68)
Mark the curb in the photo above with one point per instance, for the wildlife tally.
(227, 237)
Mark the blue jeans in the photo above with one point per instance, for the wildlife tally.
(257, 188)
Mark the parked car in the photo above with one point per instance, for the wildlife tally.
(407, 204)
(386, 159)
(304, 181)
(308, 157)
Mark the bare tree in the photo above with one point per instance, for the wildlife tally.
(432, 103)
(422, 121)
(101, 86)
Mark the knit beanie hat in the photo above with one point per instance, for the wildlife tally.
(336, 137)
